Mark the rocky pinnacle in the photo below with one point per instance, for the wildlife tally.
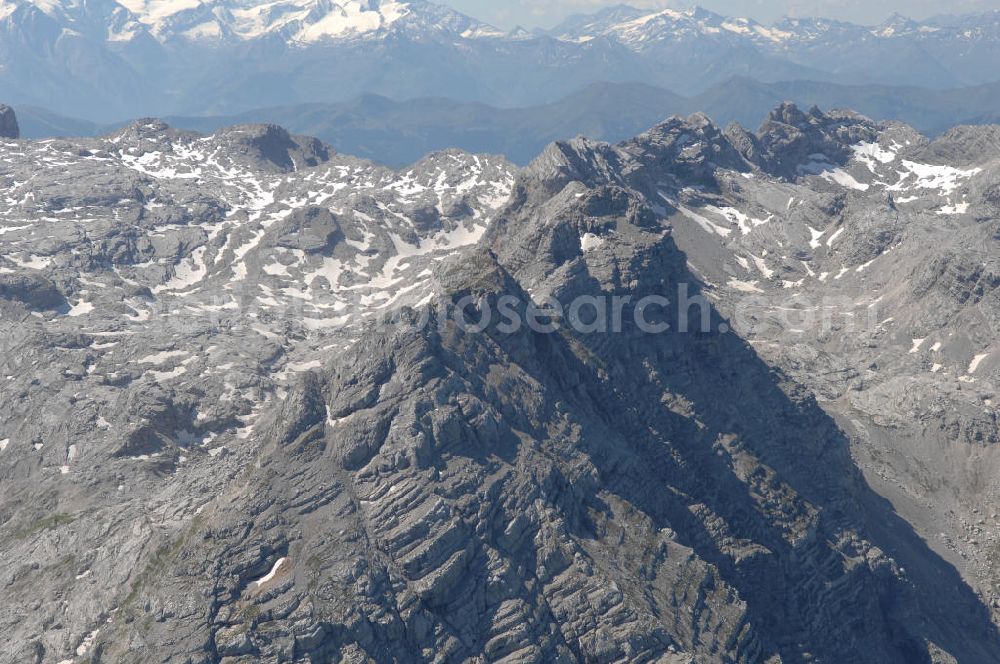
(8, 123)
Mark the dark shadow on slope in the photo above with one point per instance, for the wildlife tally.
(671, 464)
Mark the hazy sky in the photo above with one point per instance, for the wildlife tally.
(545, 13)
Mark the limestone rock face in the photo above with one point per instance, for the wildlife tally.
(245, 417)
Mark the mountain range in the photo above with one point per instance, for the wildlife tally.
(104, 61)
(510, 346)
(243, 421)
(402, 132)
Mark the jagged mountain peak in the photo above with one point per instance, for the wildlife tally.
(898, 19)
(789, 143)
(589, 22)
(789, 113)
(579, 159)
(643, 29)
(698, 122)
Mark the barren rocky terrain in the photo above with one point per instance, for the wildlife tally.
(242, 419)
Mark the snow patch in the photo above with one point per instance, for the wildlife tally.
(88, 641)
(816, 235)
(833, 238)
(744, 286)
(844, 179)
(762, 266)
(745, 222)
(299, 367)
(188, 273)
(705, 224)
(590, 241)
(957, 208)
(976, 361)
(872, 153)
(945, 179)
(162, 356)
(80, 308)
(353, 17)
(160, 376)
(270, 575)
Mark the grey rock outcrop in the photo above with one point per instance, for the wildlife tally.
(8, 123)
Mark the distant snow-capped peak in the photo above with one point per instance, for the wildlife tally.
(637, 28)
(303, 23)
(294, 21)
(298, 20)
